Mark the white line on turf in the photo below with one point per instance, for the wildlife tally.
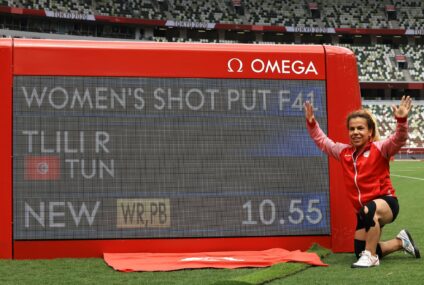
(409, 177)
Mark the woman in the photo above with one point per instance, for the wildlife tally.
(365, 163)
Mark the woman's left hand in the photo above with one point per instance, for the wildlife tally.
(404, 107)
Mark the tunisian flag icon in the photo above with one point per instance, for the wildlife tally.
(42, 167)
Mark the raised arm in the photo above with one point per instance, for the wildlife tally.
(318, 136)
(404, 108)
(393, 143)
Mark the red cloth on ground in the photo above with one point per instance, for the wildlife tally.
(225, 259)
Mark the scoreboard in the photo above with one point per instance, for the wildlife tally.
(119, 146)
(118, 157)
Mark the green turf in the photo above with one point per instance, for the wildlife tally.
(397, 268)
(274, 272)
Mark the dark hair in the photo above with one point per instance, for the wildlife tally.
(371, 121)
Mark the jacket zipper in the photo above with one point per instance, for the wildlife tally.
(355, 179)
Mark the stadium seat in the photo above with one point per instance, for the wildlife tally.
(384, 115)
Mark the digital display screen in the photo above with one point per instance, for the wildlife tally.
(127, 157)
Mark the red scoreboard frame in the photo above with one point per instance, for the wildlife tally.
(335, 65)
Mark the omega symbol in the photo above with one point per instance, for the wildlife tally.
(235, 64)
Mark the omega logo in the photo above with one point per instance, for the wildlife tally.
(235, 63)
(267, 66)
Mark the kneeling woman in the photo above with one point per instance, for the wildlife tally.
(365, 163)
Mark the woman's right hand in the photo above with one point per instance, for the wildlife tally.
(309, 112)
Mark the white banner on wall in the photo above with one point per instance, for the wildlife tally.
(414, 32)
(312, 30)
(67, 15)
(190, 25)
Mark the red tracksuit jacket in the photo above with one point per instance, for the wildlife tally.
(366, 174)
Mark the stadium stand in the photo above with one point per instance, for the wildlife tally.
(81, 7)
(290, 13)
(383, 113)
(336, 13)
(131, 9)
(415, 55)
(202, 11)
(345, 14)
(267, 12)
(376, 63)
(410, 14)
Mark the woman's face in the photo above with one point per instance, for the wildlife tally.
(359, 133)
